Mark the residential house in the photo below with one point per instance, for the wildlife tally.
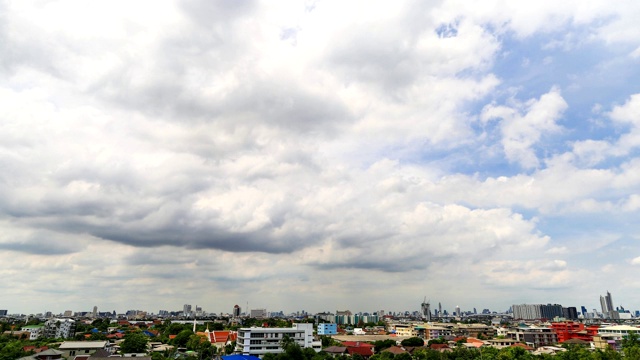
(73, 348)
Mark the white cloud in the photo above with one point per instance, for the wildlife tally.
(523, 125)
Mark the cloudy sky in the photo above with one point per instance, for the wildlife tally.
(318, 155)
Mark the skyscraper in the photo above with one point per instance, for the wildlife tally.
(606, 303)
(426, 310)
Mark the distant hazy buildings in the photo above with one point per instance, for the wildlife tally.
(259, 313)
(537, 311)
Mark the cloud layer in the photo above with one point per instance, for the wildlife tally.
(302, 155)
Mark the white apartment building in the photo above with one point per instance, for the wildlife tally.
(259, 341)
(35, 331)
(59, 328)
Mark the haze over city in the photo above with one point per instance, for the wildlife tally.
(318, 155)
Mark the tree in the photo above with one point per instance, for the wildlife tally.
(269, 356)
(228, 349)
(412, 341)
(217, 326)
(97, 336)
(134, 343)
(206, 350)
(380, 345)
(631, 345)
(182, 338)
(308, 353)
(194, 342)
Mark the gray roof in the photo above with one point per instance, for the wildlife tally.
(67, 345)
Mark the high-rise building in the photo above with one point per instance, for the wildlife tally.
(570, 313)
(458, 311)
(186, 310)
(536, 311)
(95, 312)
(3, 312)
(606, 303)
(426, 310)
(236, 310)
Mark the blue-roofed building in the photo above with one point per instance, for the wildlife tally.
(240, 357)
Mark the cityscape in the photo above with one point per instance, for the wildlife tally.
(523, 331)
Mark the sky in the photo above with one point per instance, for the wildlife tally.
(318, 155)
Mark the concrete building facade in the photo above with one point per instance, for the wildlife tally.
(259, 341)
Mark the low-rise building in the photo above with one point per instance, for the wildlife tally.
(611, 336)
(35, 331)
(436, 331)
(75, 348)
(534, 336)
(259, 341)
(327, 329)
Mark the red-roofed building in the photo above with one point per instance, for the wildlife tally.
(357, 344)
(365, 352)
(574, 330)
(440, 347)
(220, 338)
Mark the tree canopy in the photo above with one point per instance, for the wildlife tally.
(134, 343)
(413, 341)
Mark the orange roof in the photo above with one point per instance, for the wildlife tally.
(524, 346)
(222, 336)
(395, 350)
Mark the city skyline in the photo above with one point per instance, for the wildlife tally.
(297, 154)
(189, 310)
